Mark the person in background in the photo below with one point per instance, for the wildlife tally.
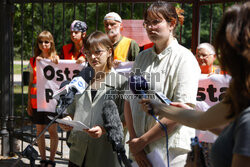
(232, 145)
(44, 49)
(178, 73)
(125, 49)
(75, 50)
(205, 55)
(91, 148)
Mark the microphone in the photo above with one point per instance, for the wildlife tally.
(78, 85)
(139, 86)
(114, 129)
(63, 89)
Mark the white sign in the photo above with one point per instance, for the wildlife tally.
(211, 90)
(49, 78)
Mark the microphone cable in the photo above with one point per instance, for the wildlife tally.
(164, 127)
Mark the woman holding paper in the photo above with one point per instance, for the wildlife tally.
(90, 147)
(44, 49)
(232, 145)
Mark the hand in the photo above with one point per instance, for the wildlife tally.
(116, 63)
(80, 60)
(95, 132)
(142, 159)
(55, 59)
(38, 58)
(136, 145)
(147, 105)
(181, 105)
(66, 127)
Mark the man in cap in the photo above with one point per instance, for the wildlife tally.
(125, 49)
(74, 50)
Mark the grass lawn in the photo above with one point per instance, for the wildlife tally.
(18, 67)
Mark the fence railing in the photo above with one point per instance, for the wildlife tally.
(22, 20)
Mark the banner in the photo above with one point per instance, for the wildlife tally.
(211, 90)
(49, 78)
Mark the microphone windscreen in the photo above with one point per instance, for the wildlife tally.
(64, 83)
(112, 122)
(138, 84)
(87, 74)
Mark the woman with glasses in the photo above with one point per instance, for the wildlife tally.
(91, 148)
(177, 74)
(232, 147)
(44, 49)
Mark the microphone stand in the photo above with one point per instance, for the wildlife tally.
(29, 152)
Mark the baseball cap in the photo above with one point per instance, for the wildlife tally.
(113, 16)
(78, 25)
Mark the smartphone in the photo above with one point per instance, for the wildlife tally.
(163, 98)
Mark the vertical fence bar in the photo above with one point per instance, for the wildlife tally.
(74, 7)
(182, 6)
(96, 16)
(120, 8)
(53, 18)
(21, 58)
(195, 25)
(132, 10)
(85, 11)
(63, 33)
(42, 5)
(108, 7)
(5, 52)
(211, 24)
(11, 93)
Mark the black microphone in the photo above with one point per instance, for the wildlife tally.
(78, 85)
(114, 129)
(139, 86)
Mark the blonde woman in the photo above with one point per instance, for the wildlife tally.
(44, 49)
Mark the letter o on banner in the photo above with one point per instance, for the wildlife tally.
(49, 72)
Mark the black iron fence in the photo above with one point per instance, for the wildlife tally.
(22, 20)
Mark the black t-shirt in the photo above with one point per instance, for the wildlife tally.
(234, 139)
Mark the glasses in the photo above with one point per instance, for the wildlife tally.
(154, 23)
(96, 53)
(204, 56)
(41, 42)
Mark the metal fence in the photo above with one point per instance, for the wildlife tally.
(22, 20)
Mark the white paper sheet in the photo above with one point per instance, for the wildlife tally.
(155, 158)
(77, 125)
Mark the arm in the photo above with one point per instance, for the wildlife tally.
(129, 119)
(80, 60)
(155, 133)
(133, 51)
(213, 117)
(140, 157)
(240, 160)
